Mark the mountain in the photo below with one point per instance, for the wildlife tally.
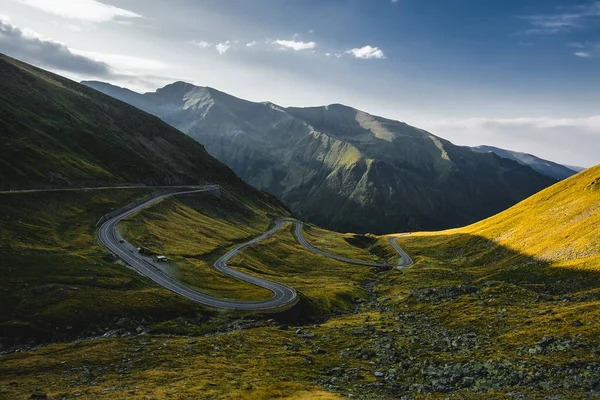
(542, 166)
(56, 132)
(340, 167)
(575, 168)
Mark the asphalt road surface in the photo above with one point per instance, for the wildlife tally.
(282, 295)
(404, 262)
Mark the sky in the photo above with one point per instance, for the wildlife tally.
(518, 74)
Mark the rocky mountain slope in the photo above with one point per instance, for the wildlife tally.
(542, 166)
(340, 167)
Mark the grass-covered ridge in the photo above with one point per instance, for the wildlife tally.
(555, 230)
(59, 133)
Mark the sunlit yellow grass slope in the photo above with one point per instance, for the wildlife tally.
(559, 226)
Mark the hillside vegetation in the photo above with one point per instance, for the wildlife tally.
(339, 167)
(193, 234)
(486, 311)
(554, 232)
(56, 132)
(58, 282)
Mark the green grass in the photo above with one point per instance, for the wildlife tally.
(57, 133)
(237, 365)
(465, 321)
(325, 285)
(195, 235)
(355, 246)
(57, 280)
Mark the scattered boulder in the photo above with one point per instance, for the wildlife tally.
(546, 341)
(38, 395)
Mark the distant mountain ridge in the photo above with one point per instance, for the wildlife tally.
(542, 166)
(340, 167)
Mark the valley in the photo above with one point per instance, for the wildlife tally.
(258, 299)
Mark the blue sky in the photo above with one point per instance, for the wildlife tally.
(519, 74)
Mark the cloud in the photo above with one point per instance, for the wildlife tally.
(125, 64)
(252, 43)
(33, 48)
(202, 44)
(366, 52)
(124, 70)
(583, 54)
(294, 45)
(572, 141)
(564, 19)
(223, 47)
(86, 10)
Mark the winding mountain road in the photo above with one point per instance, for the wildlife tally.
(282, 295)
(404, 262)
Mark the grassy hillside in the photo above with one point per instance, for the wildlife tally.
(551, 235)
(487, 311)
(59, 282)
(56, 132)
(193, 235)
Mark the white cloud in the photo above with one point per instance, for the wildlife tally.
(223, 47)
(32, 47)
(87, 10)
(294, 45)
(252, 43)
(583, 54)
(366, 52)
(124, 64)
(564, 18)
(124, 70)
(588, 123)
(573, 141)
(202, 44)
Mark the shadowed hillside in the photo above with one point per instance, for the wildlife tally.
(56, 132)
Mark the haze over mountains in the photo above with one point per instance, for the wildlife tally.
(542, 166)
(340, 167)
